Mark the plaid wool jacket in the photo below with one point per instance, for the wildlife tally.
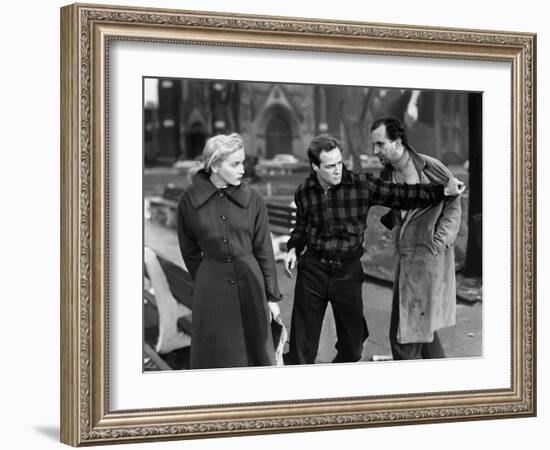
(333, 222)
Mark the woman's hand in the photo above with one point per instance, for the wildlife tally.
(274, 309)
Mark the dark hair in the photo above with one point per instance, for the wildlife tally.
(394, 129)
(321, 143)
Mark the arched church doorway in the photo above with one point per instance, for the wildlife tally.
(196, 138)
(278, 137)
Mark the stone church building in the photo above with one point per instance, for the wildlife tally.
(181, 114)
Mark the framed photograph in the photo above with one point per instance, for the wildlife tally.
(150, 349)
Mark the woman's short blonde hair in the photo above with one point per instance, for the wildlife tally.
(219, 147)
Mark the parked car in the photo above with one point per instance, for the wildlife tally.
(285, 158)
(282, 163)
(185, 163)
(368, 163)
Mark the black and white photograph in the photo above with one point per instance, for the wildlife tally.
(289, 224)
(277, 223)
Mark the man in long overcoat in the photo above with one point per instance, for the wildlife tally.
(424, 295)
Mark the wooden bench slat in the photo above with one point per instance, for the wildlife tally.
(282, 225)
(282, 219)
(279, 230)
(281, 208)
(281, 214)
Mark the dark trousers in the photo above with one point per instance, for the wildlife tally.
(413, 350)
(319, 282)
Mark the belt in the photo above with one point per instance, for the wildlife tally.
(334, 260)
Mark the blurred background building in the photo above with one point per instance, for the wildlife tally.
(274, 118)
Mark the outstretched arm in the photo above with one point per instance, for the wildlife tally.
(402, 196)
(407, 196)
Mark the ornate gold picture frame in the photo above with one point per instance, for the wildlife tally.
(87, 34)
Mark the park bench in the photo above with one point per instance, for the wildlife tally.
(162, 209)
(168, 287)
(282, 219)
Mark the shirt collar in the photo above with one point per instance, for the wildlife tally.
(416, 158)
(418, 161)
(201, 189)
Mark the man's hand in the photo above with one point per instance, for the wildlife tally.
(454, 187)
(290, 261)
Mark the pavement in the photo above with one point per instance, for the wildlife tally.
(462, 340)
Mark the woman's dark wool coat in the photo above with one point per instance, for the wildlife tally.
(226, 245)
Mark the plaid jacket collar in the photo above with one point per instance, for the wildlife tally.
(312, 181)
(201, 190)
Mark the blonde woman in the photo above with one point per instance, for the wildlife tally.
(224, 239)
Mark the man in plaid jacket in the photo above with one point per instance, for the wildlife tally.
(331, 217)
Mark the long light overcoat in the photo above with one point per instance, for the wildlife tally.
(425, 275)
(225, 243)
